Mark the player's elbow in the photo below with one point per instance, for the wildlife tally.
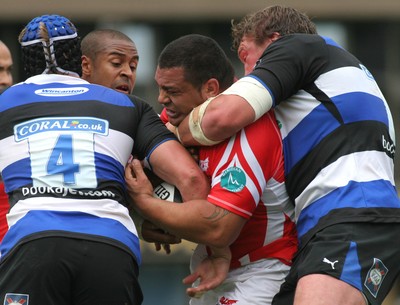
(196, 186)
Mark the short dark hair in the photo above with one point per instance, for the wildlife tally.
(92, 43)
(50, 44)
(201, 58)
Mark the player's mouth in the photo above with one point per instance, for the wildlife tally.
(124, 89)
(171, 113)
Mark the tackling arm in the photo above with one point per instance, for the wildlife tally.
(196, 220)
(238, 106)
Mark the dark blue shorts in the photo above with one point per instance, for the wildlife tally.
(69, 271)
(365, 255)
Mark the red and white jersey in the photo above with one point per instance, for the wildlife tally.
(4, 207)
(247, 178)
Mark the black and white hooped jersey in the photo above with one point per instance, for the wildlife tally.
(64, 144)
(337, 132)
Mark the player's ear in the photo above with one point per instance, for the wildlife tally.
(86, 66)
(275, 36)
(210, 88)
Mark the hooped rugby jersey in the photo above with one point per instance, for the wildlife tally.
(64, 144)
(247, 178)
(337, 132)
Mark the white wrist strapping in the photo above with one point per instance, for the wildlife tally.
(176, 133)
(195, 118)
(254, 92)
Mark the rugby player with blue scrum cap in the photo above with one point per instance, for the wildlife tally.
(64, 144)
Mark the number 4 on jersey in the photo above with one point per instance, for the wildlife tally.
(61, 160)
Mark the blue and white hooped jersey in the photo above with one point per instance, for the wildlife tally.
(64, 144)
(337, 133)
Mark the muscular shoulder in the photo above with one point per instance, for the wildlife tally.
(296, 43)
(292, 63)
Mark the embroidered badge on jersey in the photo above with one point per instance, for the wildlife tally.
(375, 276)
(233, 179)
(204, 164)
(16, 299)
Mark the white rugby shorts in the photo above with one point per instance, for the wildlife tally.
(252, 284)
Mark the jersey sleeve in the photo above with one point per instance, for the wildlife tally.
(151, 131)
(290, 64)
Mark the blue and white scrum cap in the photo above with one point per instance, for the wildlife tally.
(47, 29)
(58, 28)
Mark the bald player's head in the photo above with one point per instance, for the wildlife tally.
(6, 64)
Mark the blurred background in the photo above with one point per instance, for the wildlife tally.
(369, 29)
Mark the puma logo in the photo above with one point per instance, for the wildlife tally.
(325, 260)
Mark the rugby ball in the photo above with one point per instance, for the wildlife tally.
(167, 191)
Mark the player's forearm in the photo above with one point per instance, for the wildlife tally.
(224, 116)
(193, 220)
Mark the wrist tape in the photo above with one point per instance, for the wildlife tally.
(195, 118)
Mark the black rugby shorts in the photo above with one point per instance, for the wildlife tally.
(69, 271)
(364, 255)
